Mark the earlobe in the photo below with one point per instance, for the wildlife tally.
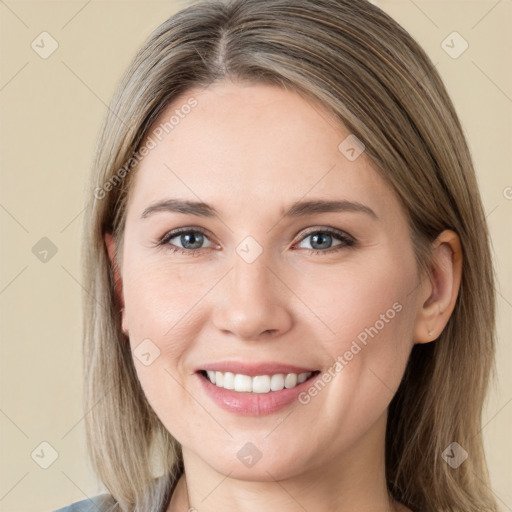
(110, 245)
(440, 288)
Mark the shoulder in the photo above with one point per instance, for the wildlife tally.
(99, 503)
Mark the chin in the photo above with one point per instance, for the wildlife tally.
(249, 463)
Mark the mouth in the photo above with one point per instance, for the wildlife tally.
(257, 384)
(254, 389)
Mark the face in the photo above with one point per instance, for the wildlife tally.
(293, 282)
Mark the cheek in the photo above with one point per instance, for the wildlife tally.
(164, 316)
(160, 301)
(364, 300)
(370, 313)
(159, 313)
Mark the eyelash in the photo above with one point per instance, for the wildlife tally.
(347, 241)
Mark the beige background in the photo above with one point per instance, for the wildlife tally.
(51, 110)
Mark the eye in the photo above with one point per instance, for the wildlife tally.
(190, 240)
(322, 240)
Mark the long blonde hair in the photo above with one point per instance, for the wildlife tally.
(371, 74)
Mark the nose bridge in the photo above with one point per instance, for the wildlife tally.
(254, 300)
(251, 279)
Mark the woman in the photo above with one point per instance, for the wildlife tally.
(290, 292)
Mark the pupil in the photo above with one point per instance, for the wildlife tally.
(189, 238)
(323, 236)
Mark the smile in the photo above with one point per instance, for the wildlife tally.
(258, 384)
(251, 388)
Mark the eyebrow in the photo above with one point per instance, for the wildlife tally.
(297, 209)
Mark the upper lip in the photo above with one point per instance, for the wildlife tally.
(254, 369)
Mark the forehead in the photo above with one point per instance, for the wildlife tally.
(253, 145)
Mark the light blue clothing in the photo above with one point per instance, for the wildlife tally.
(107, 503)
(99, 503)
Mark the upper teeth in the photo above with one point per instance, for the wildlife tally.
(258, 384)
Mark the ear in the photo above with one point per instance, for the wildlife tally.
(110, 244)
(440, 289)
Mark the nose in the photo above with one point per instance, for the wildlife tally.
(254, 302)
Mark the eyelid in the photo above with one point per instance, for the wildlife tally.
(325, 229)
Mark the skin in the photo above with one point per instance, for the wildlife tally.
(251, 151)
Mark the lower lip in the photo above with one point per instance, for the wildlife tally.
(253, 404)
